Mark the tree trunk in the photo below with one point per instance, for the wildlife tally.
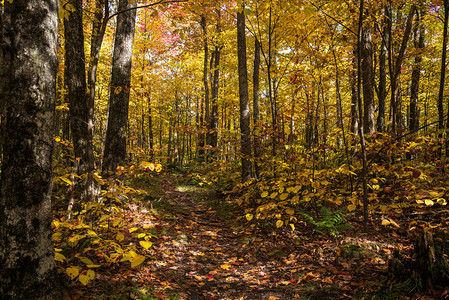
(116, 134)
(383, 74)
(256, 112)
(361, 129)
(354, 99)
(443, 69)
(213, 122)
(26, 251)
(368, 81)
(244, 98)
(416, 73)
(205, 118)
(75, 81)
(396, 69)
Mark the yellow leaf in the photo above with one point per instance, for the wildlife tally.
(295, 199)
(385, 222)
(292, 226)
(66, 180)
(283, 196)
(84, 279)
(118, 90)
(290, 211)
(249, 217)
(59, 257)
(279, 223)
(264, 194)
(72, 272)
(273, 195)
(393, 223)
(158, 168)
(116, 222)
(146, 164)
(428, 202)
(132, 229)
(239, 201)
(137, 260)
(351, 207)
(441, 201)
(120, 237)
(145, 244)
(91, 233)
(225, 266)
(90, 274)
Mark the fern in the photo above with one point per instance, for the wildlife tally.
(329, 222)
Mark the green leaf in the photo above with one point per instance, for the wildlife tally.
(86, 260)
(145, 244)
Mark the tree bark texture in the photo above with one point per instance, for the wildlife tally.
(26, 252)
(383, 74)
(256, 111)
(245, 131)
(116, 134)
(213, 122)
(75, 81)
(394, 78)
(443, 68)
(368, 81)
(416, 73)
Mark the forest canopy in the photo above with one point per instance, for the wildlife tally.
(306, 117)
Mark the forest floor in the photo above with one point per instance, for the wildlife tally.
(204, 249)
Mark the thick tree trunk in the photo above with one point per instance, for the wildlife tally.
(26, 252)
(116, 134)
(368, 81)
(75, 82)
(244, 98)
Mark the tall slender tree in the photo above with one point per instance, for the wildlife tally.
(243, 96)
(27, 266)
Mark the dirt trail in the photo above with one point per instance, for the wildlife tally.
(200, 255)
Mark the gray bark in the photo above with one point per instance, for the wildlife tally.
(382, 74)
(416, 73)
(26, 252)
(75, 81)
(116, 134)
(368, 81)
(245, 131)
(256, 112)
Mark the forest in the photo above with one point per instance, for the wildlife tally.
(224, 149)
